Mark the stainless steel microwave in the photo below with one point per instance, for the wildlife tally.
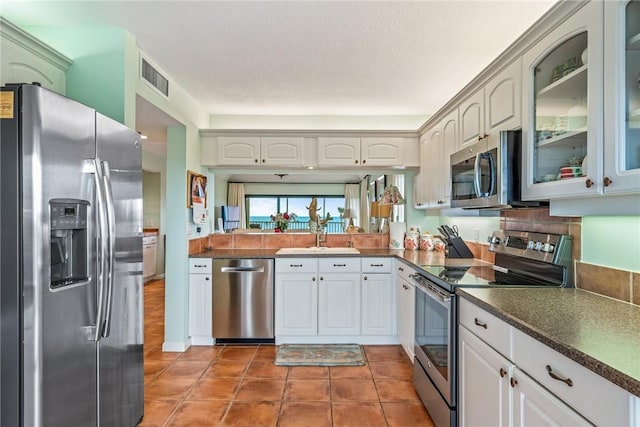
(488, 173)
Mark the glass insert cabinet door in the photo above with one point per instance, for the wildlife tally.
(562, 125)
(622, 97)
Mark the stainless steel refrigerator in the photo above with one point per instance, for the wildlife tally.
(71, 291)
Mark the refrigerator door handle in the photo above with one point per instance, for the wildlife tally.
(102, 252)
(111, 221)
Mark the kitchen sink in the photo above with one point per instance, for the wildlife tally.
(317, 250)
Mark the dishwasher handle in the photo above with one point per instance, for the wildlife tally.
(242, 269)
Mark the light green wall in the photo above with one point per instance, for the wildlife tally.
(176, 276)
(97, 77)
(158, 165)
(612, 241)
(151, 198)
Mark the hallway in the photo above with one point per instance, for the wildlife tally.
(240, 386)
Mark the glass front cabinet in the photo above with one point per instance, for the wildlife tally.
(563, 109)
(622, 97)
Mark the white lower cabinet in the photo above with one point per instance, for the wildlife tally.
(296, 296)
(533, 386)
(533, 405)
(200, 301)
(406, 294)
(377, 304)
(339, 304)
(485, 396)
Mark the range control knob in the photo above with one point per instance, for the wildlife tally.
(548, 247)
(531, 244)
(538, 246)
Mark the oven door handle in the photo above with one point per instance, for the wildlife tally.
(436, 294)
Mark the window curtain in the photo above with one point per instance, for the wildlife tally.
(352, 201)
(364, 204)
(398, 210)
(235, 197)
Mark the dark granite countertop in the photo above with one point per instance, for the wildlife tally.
(415, 258)
(600, 333)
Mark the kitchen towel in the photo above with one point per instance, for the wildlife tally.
(396, 235)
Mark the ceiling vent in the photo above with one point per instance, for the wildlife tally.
(154, 78)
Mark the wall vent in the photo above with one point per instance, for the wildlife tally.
(154, 78)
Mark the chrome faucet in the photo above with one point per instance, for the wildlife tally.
(320, 239)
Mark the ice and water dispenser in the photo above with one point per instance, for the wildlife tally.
(69, 242)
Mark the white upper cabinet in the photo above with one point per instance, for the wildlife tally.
(252, 150)
(563, 108)
(381, 151)
(622, 98)
(282, 150)
(450, 136)
(384, 151)
(25, 59)
(472, 119)
(238, 150)
(420, 193)
(338, 151)
(503, 96)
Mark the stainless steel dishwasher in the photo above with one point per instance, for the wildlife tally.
(243, 299)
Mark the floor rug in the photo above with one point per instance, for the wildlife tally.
(320, 355)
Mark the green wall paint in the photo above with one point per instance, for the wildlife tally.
(97, 77)
(612, 241)
(176, 276)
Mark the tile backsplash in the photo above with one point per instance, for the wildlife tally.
(620, 284)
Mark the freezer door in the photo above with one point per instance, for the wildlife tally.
(121, 375)
(60, 382)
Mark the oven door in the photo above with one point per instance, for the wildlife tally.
(435, 339)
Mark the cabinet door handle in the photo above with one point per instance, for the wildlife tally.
(263, 161)
(339, 265)
(405, 287)
(313, 279)
(607, 181)
(588, 183)
(356, 162)
(400, 268)
(481, 324)
(377, 265)
(503, 373)
(364, 161)
(255, 160)
(365, 277)
(553, 375)
(206, 278)
(321, 278)
(295, 265)
(513, 382)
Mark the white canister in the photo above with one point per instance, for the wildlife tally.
(396, 235)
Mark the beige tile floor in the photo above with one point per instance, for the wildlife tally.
(240, 385)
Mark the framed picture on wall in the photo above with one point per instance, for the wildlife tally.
(196, 189)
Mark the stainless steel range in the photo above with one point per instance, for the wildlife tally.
(522, 259)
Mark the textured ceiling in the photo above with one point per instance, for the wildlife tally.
(307, 58)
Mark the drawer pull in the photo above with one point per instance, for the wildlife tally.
(567, 381)
(481, 324)
(400, 268)
(295, 265)
(377, 265)
(339, 265)
(199, 265)
(405, 287)
(502, 373)
(513, 382)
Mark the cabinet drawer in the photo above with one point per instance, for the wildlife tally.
(488, 327)
(595, 398)
(404, 271)
(200, 265)
(339, 265)
(296, 265)
(376, 265)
